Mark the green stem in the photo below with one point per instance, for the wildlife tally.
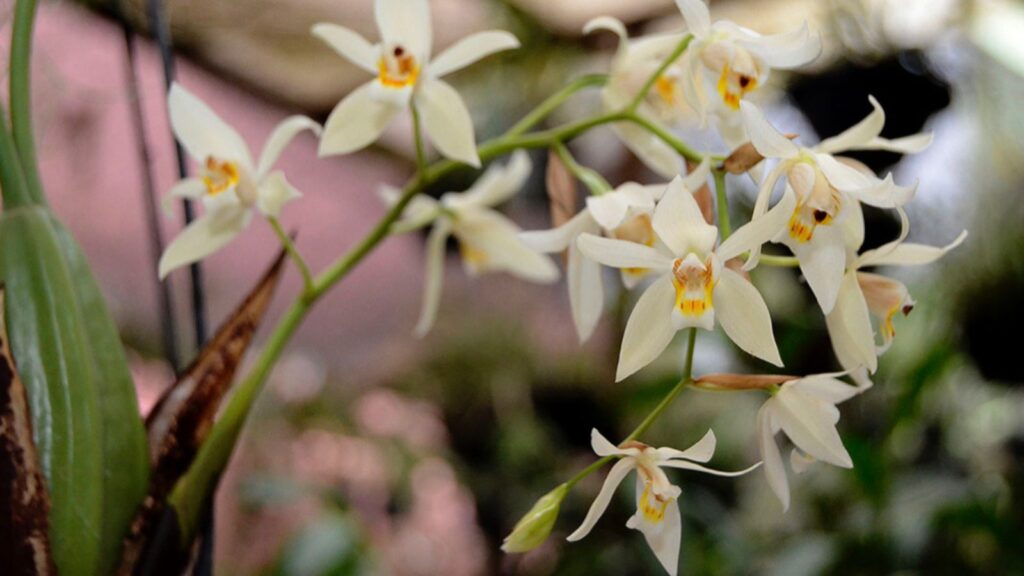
(594, 181)
(722, 205)
(661, 133)
(12, 179)
(417, 134)
(545, 108)
(642, 94)
(21, 99)
(685, 381)
(293, 253)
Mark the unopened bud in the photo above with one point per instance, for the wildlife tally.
(535, 526)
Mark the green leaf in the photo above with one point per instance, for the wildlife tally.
(49, 345)
(125, 458)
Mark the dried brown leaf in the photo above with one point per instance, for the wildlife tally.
(742, 381)
(745, 157)
(184, 415)
(705, 200)
(24, 498)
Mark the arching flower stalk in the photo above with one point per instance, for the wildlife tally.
(405, 75)
(657, 508)
(230, 184)
(694, 288)
(488, 241)
(827, 224)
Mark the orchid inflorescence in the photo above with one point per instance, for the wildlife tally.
(691, 273)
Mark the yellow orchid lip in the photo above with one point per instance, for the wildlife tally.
(654, 512)
(694, 283)
(733, 87)
(219, 175)
(398, 68)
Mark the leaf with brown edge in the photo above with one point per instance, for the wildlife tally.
(184, 415)
(561, 190)
(24, 499)
(745, 157)
(741, 381)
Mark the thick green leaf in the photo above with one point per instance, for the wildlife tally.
(125, 462)
(49, 345)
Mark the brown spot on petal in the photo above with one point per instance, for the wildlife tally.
(24, 500)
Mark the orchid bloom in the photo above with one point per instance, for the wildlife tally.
(624, 213)
(633, 64)
(657, 509)
(865, 294)
(488, 241)
(694, 287)
(230, 184)
(805, 410)
(406, 75)
(729, 62)
(827, 220)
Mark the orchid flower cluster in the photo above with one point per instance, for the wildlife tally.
(690, 271)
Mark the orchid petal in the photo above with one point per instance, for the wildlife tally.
(558, 239)
(203, 237)
(759, 230)
(471, 49)
(586, 293)
(604, 447)
(849, 327)
(189, 188)
(744, 316)
(202, 132)
(613, 25)
(823, 262)
(909, 254)
(356, 122)
(406, 23)
(615, 477)
(680, 224)
(826, 388)
(649, 328)
(282, 135)
(350, 45)
(686, 465)
(622, 254)
(497, 238)
(863, 187)
(697, 17)
(666, 539)
(420, 211)
(498, 184)
(773, 468)
(650, 149)
(702, 451)
(275, 191)
(788, 49)
(905, 145)
(766, 139)
(799, 461)
(447, 121)
(810, 426)
(433, 277)
(859, 134)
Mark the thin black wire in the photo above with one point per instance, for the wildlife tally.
(168, 329)
(162, 33)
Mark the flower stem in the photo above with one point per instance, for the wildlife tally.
(594, 181)
(685, 381)
(781, 261)
(12, 179)
(21, 112)
(545, 108)
(665, 136)
(293, 253)
(639, 98)
(417, 134)
(722, 205)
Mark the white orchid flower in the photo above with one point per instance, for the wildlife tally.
(489, 242)
(865, 294)
(657, 509)
(726, 62)
(624, 213)
(405, 72)
(230, 184)
(694, 288)
(827, 221)
(805, 410)
(634, 63)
